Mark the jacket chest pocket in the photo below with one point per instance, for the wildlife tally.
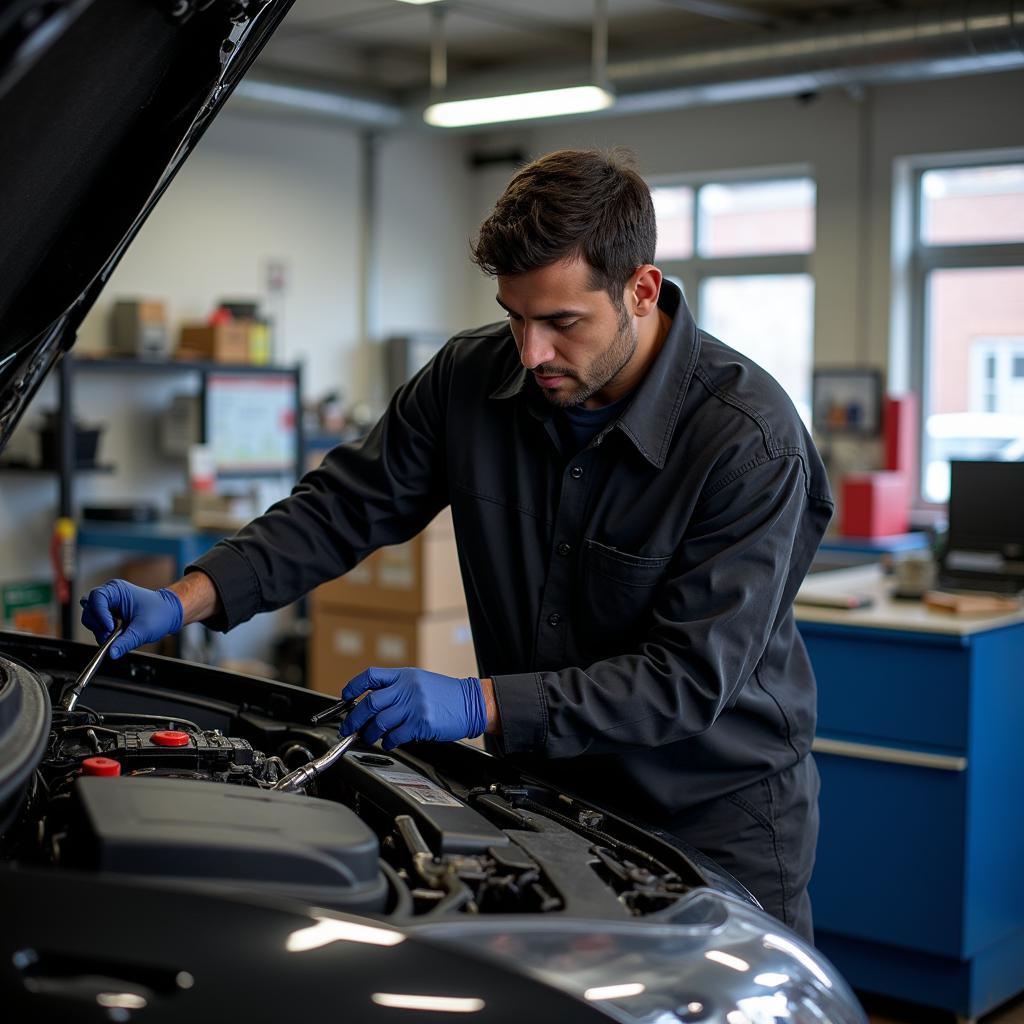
(618, 593)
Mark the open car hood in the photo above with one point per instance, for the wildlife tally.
(100, 104)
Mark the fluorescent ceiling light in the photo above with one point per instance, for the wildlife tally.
(417, 2)
(523, 106)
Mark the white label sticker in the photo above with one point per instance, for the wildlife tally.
(420, 789)
(397, 577)
(348, 641)
(391, 647)
(361, 575)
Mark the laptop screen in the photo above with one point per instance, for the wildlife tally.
(986, 507)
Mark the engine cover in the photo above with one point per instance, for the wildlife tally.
(305, 848)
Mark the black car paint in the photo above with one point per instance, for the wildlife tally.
(202, 956)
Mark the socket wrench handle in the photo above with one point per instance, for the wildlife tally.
(303, 776)
(70, 699)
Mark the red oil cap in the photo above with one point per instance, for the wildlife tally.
(101, 766)
(170, 738)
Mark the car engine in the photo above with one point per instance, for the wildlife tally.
(191, 800)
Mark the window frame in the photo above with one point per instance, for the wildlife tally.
(923, 260)
(693, 270)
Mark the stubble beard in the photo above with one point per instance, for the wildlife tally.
(608, 365)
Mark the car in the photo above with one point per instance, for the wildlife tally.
(159, 858)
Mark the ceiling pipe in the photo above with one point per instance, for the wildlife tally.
(971, 30)
(957, 39)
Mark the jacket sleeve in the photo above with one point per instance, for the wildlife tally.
(381, 490)
(736, 573)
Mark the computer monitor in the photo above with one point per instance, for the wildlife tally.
(251, 421)
(986, 507)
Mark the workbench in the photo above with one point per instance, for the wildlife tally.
(918, 890)
(175, 537)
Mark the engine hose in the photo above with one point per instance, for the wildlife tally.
(458, 896)
(167, 721)
(403, 906)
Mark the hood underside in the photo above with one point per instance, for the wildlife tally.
(100, 104)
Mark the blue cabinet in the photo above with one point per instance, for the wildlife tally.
(918, 889)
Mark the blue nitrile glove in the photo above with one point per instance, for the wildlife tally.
(413, 704)
(148, 615)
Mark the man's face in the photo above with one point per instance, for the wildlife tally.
(572, 338)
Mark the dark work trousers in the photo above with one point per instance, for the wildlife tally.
(765, 836)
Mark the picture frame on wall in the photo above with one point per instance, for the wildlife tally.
(847, 401)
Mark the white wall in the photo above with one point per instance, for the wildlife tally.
(257, 189)
(422, 280)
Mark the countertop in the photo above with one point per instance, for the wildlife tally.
(886, 612)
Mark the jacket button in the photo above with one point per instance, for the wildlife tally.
(554, 619)
(576, 472)
(564, 549)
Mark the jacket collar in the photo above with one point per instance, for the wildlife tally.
(650, 418)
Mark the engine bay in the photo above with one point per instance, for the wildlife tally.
(186, 796)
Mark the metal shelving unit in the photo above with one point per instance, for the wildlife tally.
(70, 366)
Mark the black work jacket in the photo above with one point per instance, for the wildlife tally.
(632, 601)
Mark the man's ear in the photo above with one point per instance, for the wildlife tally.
(643, 289)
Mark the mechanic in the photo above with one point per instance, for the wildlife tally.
(635, 506)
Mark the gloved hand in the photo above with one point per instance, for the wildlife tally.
(148, 615)
(413, 704)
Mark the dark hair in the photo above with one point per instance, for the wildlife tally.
(572, 203)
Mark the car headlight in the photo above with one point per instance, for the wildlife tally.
(720, 961)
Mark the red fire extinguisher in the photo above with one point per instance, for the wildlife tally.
(62, 557)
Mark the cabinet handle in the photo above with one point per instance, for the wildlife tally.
(890, 755)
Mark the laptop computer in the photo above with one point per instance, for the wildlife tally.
(985, 549)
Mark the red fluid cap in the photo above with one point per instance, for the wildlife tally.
(101, 766)
(167, 738)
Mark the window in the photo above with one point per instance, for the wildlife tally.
(968, 272)
(739, 250)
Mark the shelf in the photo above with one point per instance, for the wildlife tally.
(24, 467)
(170, 366)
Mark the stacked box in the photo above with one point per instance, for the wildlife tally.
(402, 606)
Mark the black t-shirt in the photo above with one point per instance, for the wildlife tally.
(578, 426)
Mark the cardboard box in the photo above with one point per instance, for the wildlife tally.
(343, 644)
(139, 329)
(220, 343)
(419, 577)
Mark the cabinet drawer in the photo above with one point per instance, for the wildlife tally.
(890, 858)
(907, 690)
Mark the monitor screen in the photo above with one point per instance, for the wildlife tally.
(986, 507)
(250, 422)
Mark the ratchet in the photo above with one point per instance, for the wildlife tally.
(302, 777)
(70, 698)
(299, 779)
